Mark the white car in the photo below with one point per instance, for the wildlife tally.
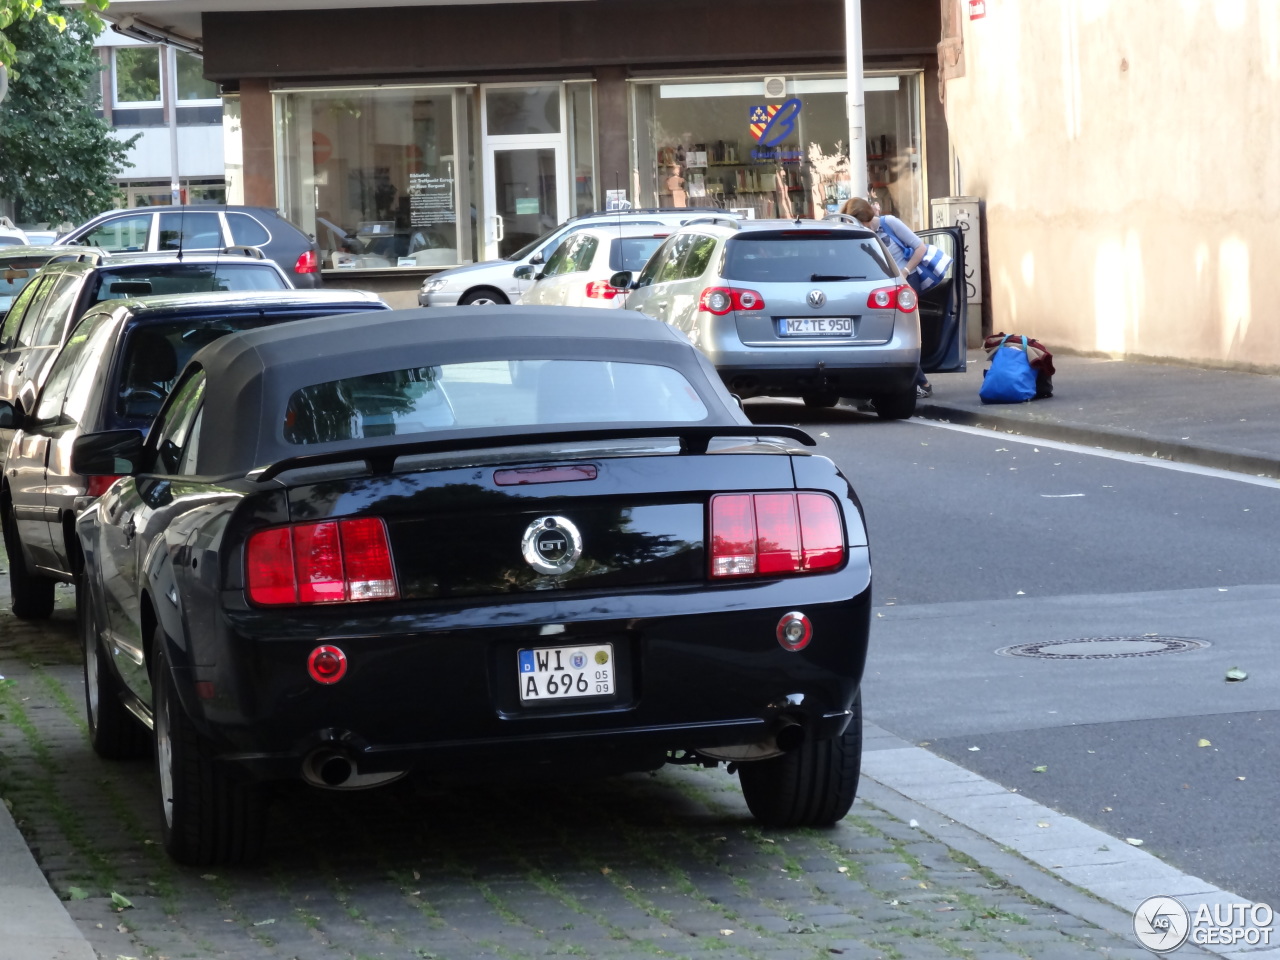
(577, 274)
(10, 235)
(493, 281)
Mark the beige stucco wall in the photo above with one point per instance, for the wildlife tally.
(1129, 155)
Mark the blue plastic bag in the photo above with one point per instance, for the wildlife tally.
(1010, 379)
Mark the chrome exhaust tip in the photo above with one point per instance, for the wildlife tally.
(790, 735)
(326, 767)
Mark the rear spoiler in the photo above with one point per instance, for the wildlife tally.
(693, 438)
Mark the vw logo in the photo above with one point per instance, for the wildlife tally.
(816, 298)
(551, 545)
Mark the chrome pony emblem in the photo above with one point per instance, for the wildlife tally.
(552, 545)
(816, 298)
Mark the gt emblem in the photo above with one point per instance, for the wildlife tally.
(552, 545)
(816, 298)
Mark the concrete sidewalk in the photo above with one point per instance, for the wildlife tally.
(1210, 418)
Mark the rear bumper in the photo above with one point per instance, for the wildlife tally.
(439, 693)
(788, 380)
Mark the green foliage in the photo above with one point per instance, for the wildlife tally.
(58, 160)
(15, 11)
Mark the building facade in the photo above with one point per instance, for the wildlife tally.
(414, 137)
(159, 91)
(1124, 150)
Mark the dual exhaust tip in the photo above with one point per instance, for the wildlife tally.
(328, 767)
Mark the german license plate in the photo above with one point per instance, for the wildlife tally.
(566, 673)
(816, 326)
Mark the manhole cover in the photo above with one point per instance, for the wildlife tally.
(1102, 648)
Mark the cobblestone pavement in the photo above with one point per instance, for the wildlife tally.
(665, 865)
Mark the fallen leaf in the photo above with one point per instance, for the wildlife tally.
(606, 871)
(913, 823)
(1042, 825)
(1236, 674)
(121, 928)
(846, 869)
(922, 885)
(1133, 841)
(417, 875)
(824, 434)
(263, 923)
(76, 893)
(974, 749)
(1203, 743)
(208, 876)
(766, 840)
(1106, 809)
(726, 933)
(1040, 769)
(1239, 778)
(120, 902)
(1021, 593)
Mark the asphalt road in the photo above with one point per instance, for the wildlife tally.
(981, 542)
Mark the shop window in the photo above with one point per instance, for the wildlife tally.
(726, 144)
(373, 175)
(582, 147)
(519, 111)
(137, 75)
(190, 76)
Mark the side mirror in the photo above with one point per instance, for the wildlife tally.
(112, 453)
(525, 272)
(622, 280)
(10, 417)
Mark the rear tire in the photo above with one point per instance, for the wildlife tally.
(207, 817)
(32, 595)
(813, 785)
(114, 733)
(896, 406)
(821, 399)
(482, 296)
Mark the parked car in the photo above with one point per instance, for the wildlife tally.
(44, 314)
(19, 265)
(494, 281)
(812, 309)
(113, 374)
(577, 273)
(343, 560)
(10, 235)
(204, 229)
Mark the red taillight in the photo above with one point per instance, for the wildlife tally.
(307, 263)
(327, 664)
(97, 486)
(599, 290)
(901, 298)
(330, 562)
(720, 300)
(773, 533)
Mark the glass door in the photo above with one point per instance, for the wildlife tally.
(525, 165)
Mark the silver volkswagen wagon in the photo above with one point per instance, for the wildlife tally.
(804, 308)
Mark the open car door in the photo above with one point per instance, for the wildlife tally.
(944, 308)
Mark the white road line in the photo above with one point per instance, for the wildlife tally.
(1099, 452)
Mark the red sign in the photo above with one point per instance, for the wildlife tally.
(977, 9)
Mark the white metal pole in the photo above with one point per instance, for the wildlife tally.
(856, 104)
(171, 72)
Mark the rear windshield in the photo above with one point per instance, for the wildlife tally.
(155, 353)
(11, 279)
(805, 257)
(504, 393)
(118, 283)
(632, 253)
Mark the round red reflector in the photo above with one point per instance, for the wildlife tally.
(794, 631)
(327, 664)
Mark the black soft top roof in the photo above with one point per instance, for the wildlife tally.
(251, 375)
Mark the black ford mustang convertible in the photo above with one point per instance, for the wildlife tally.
(462, 540)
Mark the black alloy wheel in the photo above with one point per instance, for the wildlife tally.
(481, 297)
(31, 595)
(813, 785)
(207, 817)
(114, 732)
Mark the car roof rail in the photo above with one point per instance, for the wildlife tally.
(245, 250)
(727, 221)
